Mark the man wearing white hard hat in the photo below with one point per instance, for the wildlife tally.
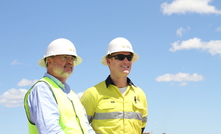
(116, 105)
(51, 106)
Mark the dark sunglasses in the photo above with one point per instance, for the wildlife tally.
(121, 57)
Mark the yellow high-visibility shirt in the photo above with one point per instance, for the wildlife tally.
(110, 112)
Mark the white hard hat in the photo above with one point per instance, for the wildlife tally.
(119, 44)
(60, 46)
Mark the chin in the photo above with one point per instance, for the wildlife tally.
(67, 74)
(126, 71)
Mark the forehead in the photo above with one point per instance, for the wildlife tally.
(125, 53)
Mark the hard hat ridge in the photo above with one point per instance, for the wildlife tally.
(60, 46)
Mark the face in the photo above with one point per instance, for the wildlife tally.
(119, 65)
(61, 65)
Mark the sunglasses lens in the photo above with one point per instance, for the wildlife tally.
(122, 57)
(129, 57)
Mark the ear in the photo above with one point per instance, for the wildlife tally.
(49, 61)
(108, 62)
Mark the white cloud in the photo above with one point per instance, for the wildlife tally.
(183, 78)
(13, 97)
(181, 30)
(213, 46)
(192, 6)
(26, 82)
(218, 29)
(15, 62)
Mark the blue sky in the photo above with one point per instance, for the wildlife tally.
(178, 41)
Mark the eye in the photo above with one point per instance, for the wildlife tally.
(65, 58)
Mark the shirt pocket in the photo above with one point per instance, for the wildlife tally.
(138, 107)
(106, 105)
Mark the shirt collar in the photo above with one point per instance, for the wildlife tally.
(58, 82)
(109, 81)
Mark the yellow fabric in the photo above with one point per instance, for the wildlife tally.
(70, 112)
(101, 100)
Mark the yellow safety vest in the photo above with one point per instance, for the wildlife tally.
(72, 119)
(110, 112)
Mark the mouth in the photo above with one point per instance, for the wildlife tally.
(68, 67)
(125, 67)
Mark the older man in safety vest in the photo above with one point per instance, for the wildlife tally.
(51, 106)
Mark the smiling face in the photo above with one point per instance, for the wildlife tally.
(61, 66)
(119, 68)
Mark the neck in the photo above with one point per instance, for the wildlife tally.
(60, 78)
(63, 80)
(119, 81)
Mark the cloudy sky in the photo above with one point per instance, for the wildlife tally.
(178, 42)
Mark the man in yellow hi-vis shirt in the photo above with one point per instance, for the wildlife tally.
(116, 105)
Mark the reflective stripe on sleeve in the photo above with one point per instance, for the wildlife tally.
(118, 115)
(144, 119)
